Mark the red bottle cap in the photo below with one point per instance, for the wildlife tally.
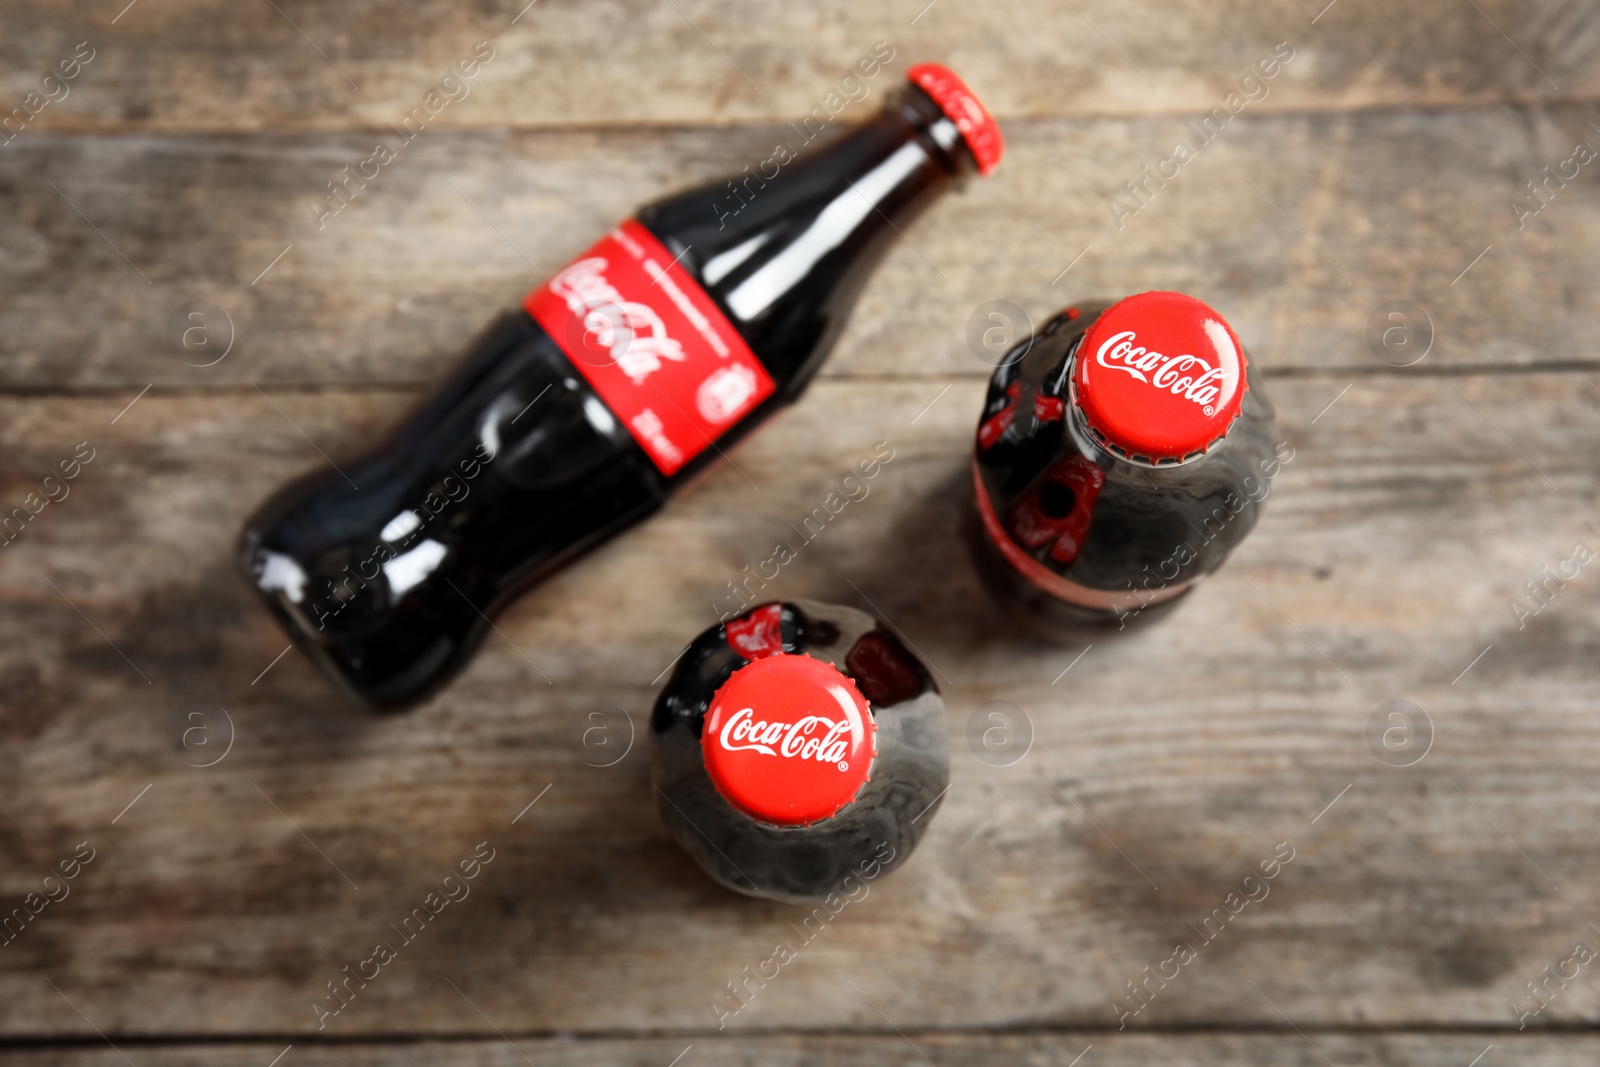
(1160, 376)
(789, 740)
(978, 127)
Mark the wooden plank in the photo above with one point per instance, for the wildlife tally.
(226, 897)
(1346, 213)
(218, 65)
(980, 1050)
(314, 66)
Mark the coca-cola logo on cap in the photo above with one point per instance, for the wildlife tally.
(788, 739)
(814, 737)
(1185, 374)
(1160, 376)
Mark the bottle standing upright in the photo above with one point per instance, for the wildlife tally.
(1122, 453)
(581, 412)
(798, 751)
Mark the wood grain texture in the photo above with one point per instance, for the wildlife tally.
(1298, 227)
(912, 1049)
(226, 897)
(219, 65)
(253, 835)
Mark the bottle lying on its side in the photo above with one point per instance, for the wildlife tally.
(581, 412)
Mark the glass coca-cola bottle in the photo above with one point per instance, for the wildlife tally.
(798, 751)
(1124, 450)
(581, 412)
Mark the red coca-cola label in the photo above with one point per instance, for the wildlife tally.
(788, 740)
(1034, 526)
(660, 353)
(757, 633)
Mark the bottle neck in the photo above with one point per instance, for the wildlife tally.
(784, 247)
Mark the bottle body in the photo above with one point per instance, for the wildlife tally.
(1073, 529)
(577, 415)
(387, 580)
(800, 838)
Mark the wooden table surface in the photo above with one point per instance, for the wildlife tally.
(251, 835)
